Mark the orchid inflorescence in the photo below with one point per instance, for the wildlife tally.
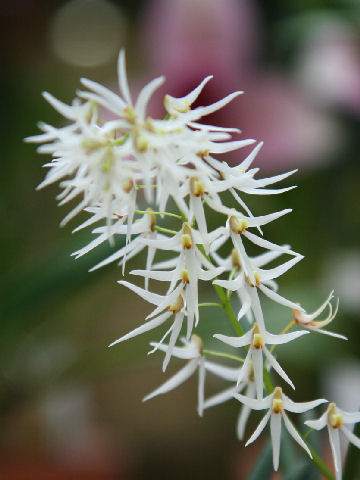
(126, 172)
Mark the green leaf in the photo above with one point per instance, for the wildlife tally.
(302, 471)
(263, 468)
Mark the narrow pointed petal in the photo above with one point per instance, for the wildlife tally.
(276, 366)
(348, 417)
(143, 328)
(188, 352)
(275, 430)
(244, 413)
(317, 424)
(253, 403)
(263, 182)
(149, 261)
(301, 407)
(123, 83)
(201, 387)
(65, 110)
(294, 433)
(173, 338)
(256, 307)
(244, 370)
(225, 147)
(267, 191)
(200, 220)
(278, 298)
(325, 332)
(281, 269)
(322, 307)
(335, 447)
(110, 97)
(207, 275)
(230, 284)
(154, 274)
(245, 164)
(257, 358)
(267, 257)
(145, 95)
(235, 341)
(265, 219)
(213, 128)
(202, 111)
(284, 338)
(227, 373)
(130, 250)
(193, 95)
(221, 397)
(180, 377)
(150, 297)
(259, 429)
(351, 437)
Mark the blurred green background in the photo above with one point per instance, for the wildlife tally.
(69, 406)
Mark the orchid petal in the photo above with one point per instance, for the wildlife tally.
(143, 328)
(294, 433)
(180, 377)
(259, 429)
(351, 437)
(275, 431)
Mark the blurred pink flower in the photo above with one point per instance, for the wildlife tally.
(329, 65)
(189, 39)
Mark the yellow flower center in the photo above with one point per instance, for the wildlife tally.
(238, 225)
(258, 339)
(197, 187)
(336, 419)
(277, 403)
(185, 276)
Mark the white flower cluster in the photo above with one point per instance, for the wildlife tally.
(114, 166)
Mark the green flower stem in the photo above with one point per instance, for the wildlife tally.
(150, 212)
(306, 434)
(226, 304)
(210, 304)
(213, 353)
(165, 230)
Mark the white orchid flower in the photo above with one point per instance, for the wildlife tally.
(191, 351)
(167, 305)
(277, 402)
(334, 419)
(258, 338)
(188, 269)
(308, 320)
(247, 290)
